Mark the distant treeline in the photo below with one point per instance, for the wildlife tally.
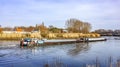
(104, 32)
(71, 26)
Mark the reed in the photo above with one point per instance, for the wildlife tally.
(58, 63)
(17, 36)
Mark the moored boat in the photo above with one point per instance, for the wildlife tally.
(32, 42)
(25, 42)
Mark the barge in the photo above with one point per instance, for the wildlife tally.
(32, 42)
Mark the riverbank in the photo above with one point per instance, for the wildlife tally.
(19, 35)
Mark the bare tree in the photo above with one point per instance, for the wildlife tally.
(86, 27)
(77, 26)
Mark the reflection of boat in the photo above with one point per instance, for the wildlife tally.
(117, 38)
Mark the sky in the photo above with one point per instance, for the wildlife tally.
(101, 14)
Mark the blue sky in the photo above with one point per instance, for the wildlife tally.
(103, 14)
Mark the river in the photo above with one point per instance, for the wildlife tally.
(102, 53)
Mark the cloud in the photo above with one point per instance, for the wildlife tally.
(56, 12)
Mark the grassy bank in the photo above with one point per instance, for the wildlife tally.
(18, 36)
(71, 35)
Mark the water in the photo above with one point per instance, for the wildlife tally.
(66, 55)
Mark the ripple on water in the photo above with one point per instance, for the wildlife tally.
(72, 54)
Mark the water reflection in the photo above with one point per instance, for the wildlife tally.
(2, 55)
(55, 63)
(79, 47)
(37, 50)
(8, 44)
(65, 55)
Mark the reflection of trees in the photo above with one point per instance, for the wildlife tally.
(79, 47)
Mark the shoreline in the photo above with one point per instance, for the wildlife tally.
(17, 39)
